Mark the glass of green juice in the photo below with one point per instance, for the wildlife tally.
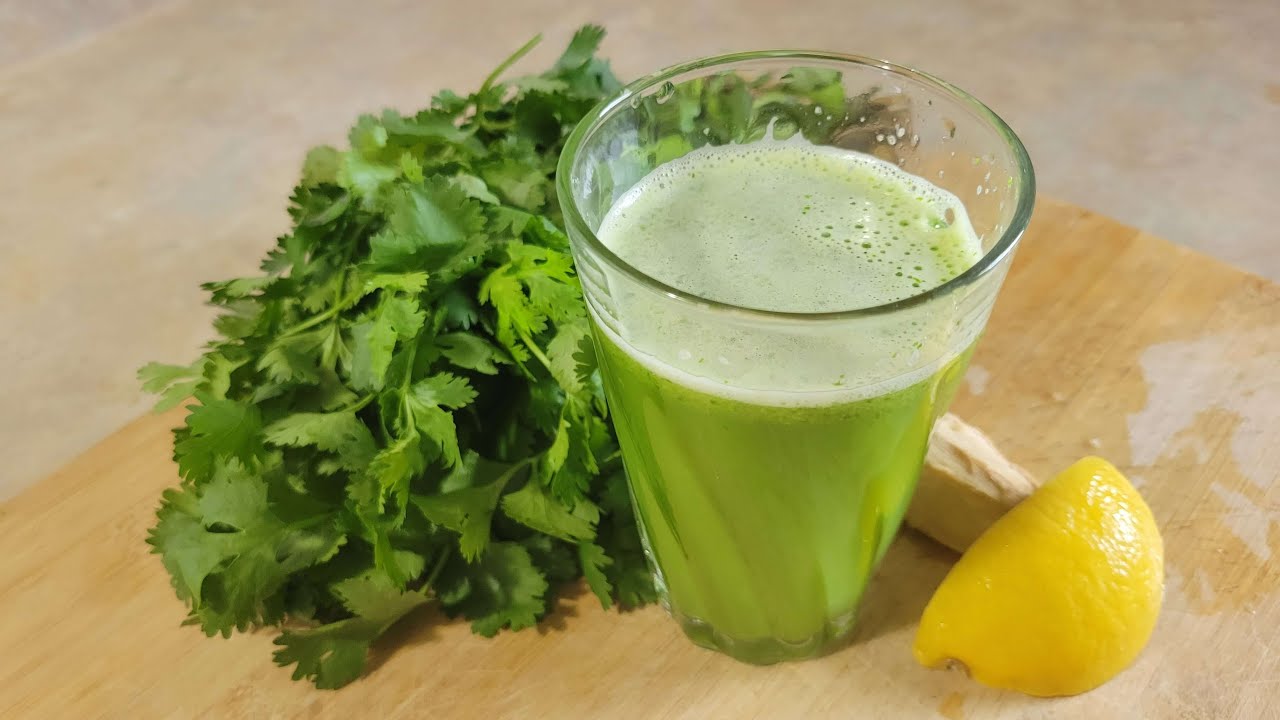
(787, 258)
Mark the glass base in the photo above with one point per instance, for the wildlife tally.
(767, 651)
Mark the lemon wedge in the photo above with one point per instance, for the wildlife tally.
(1059, 595)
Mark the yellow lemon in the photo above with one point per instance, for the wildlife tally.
(1059, 595)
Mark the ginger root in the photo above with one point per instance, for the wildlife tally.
(965, 486)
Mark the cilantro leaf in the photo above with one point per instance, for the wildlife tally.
(218, 429)
(472, 352)
(425, 225)
(292, 358)
(405, 282)
(594, 562)
(334, 654)
(443, 390)
(429, 401)
(230, 553)
(532, 507)
(180, 538)
(558, 452)
(468, 510)
(535, 286)
(572, 341)
(425, 125)
(396, 318)
(364, 176)
(395, 465)
(628, 572)
(339, 432)
(503, 588)
(556, 560)
(321, 166)
(582, 48)
(516, 175)
(173, 383)
(475, 188)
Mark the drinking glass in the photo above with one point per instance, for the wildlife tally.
(766, 494)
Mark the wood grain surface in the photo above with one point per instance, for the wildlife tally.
(1105, 341)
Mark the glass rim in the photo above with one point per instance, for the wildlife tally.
(991, 259)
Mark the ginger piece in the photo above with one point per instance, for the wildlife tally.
(965, 486)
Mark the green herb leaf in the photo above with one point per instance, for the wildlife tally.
(503, 588)
(230, 552)
(333, 655)
(218, 430)
(467, 505)
(173, 383)
(336, 431)
(472, 352)
(396, 318)
(594, 562)
(425, 225)
(532, 507)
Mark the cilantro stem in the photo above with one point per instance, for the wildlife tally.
(533, 348)
(321, 317)
(308, 522)
(435, 571)
(506, 64)
(406, 413)
(339, 302)
(355, 406)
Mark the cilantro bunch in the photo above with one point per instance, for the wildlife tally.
(404, 407)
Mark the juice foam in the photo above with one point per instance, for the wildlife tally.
(793, 227)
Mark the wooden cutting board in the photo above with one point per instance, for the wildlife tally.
(1104, 341)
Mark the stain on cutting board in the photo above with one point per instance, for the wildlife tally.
(1209, 402)
(952, 707)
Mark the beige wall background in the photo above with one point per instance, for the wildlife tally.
(148, 145)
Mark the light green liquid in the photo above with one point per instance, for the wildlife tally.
(766, 492)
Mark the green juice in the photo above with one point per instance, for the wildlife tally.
(769, 473)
